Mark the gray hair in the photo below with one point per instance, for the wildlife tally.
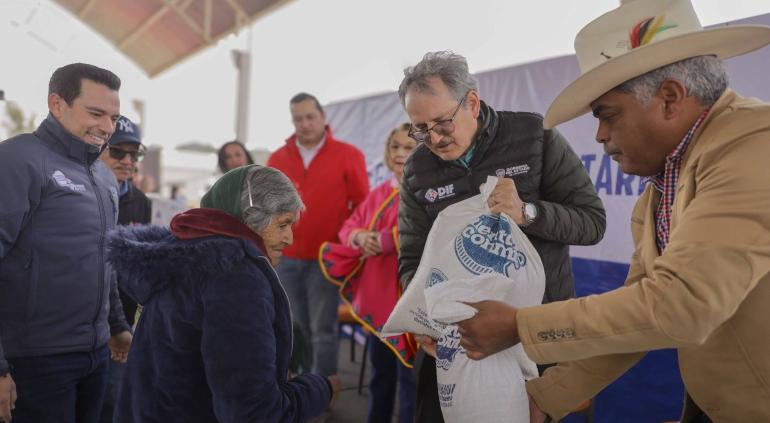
(450, 67)
(704, 77)
(267, 193)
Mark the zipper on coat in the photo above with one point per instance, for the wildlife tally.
(100, 255)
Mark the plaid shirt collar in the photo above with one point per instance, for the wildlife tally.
(665, 183)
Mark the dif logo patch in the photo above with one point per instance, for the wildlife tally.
(440, 193)
(487, 246)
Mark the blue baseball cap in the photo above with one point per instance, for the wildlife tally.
(125, 132)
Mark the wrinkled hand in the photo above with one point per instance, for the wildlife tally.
(491, 330)
(505, 199)
(536, 415)
(7, 397)
(427, 343)
(119, 345)
(336, 384)
(369, 242)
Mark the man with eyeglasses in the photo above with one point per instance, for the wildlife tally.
(543, 185)
(60, 316)
(124, 150)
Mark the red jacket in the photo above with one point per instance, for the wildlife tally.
(331, 188)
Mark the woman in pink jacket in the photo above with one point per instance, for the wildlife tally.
(366, 268)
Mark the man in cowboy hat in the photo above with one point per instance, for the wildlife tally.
(699, 279)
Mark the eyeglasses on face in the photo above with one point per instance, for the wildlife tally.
(119, 153)
(441, 127)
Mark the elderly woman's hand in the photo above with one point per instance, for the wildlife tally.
(336, 385)
(7, 397)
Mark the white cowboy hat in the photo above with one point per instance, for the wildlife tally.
(638, 37)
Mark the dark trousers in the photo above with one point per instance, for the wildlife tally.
(313, 303)
(428, 409)
(60, 388)
(114, 379)
(701, 418)
(387, 374)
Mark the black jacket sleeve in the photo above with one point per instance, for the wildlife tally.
(413, 227)
(147, 214)
(569, 211)
(116, 318)
(21, 185)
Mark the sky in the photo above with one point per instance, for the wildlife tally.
(334, 49)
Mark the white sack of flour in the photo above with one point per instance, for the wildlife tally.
(472, 255)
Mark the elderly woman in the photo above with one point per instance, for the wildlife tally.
(214, 339)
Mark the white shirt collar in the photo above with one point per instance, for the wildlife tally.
(309, 153)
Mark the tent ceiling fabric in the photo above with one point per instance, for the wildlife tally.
(157, 34)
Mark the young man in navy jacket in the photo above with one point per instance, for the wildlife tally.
(59, 306)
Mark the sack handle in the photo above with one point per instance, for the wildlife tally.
(487, 188)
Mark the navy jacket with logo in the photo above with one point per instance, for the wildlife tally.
(57, 203)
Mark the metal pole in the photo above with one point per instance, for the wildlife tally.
(139, 107)
(243, 64)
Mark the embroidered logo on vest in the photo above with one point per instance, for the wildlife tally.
(440, 193)
(513, 170)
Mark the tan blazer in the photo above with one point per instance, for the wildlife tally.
(708, 295)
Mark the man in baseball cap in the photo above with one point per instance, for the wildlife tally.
(124, 150)
(699, 279)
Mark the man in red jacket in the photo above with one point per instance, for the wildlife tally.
(330, 176)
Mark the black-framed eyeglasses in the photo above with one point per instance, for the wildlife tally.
(441, 127)
(119, 153)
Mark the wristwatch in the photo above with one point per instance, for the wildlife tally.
(529, 211)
